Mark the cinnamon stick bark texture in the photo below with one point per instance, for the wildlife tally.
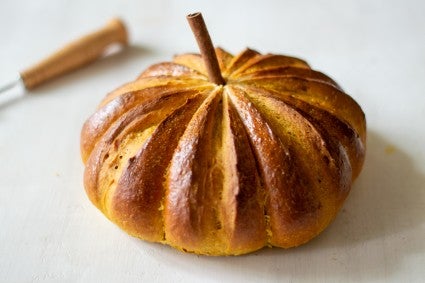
(199, 29)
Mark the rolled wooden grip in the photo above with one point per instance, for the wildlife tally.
(75, 54)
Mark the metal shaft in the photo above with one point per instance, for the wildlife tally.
(10, 84)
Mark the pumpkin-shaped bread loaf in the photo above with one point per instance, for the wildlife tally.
(266, 159)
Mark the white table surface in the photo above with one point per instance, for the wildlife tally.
(50, 232)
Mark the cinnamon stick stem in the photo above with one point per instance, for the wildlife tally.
(206, 47)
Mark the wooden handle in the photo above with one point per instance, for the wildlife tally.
(75, 54)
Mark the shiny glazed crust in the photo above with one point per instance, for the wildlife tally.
(265, 160)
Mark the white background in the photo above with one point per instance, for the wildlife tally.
(375, 50)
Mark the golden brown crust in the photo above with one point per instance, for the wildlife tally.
(267, 159)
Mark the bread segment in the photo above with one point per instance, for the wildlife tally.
(193, 187)
(243, 197)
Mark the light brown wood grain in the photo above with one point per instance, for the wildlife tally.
(76, 54)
